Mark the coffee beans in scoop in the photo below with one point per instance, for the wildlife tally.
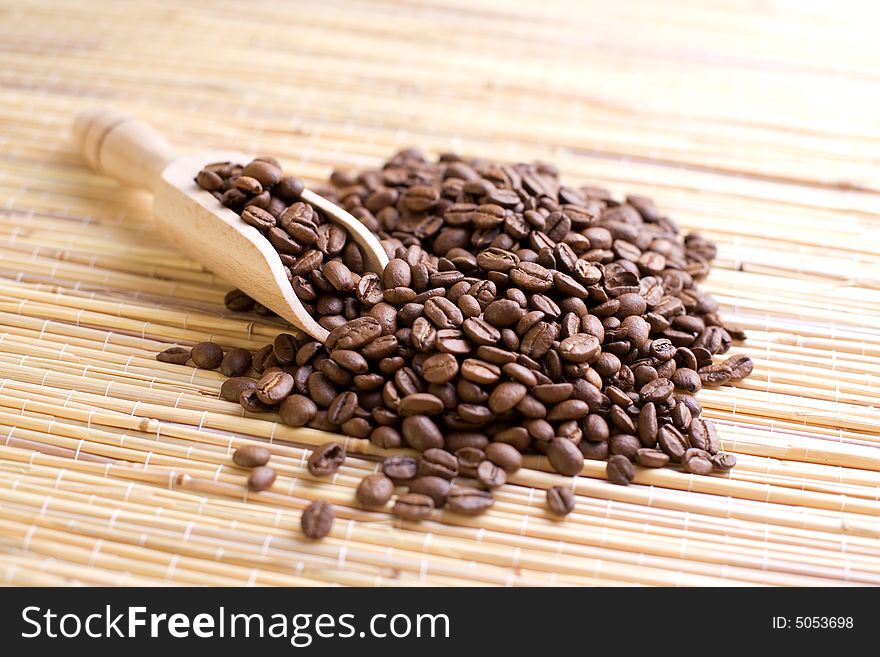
(517, 315)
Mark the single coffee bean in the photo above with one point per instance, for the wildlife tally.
(420, 403)
(740, 367)
(506, 396)
(565, 457)
(251, 456)
(723, 461)
(274, 386)
(261, 478)
(671, 442)
(504, 455)
(232, 388)
(207, 355)
(715, 375)
(374, 490)
(651, 458)
(438, 462)
(580, 348)
(697, 461)
(175, 355)
(490, 475)
(619, 470)
(437, 488)
(413, 506)
(326, 459)
(560, 501)
(440, 368)
(400, 468)
(421, 432)
(251, 403)
(317, 519)
(658, 390)
(236, 362)
(297, 410)
(468, 501)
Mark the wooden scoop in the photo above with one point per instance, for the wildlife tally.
(195, 222)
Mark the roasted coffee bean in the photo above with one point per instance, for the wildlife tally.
(651, 458)
(238, 301)
(175, 355)
(740, 367)
(469, 459)
(658, 390)
(258, 218)
(619, 470)
(326, 459)
(354, 334)
(468, 501)
(437, 488)
(207, 355)
(261, 478)
(413, 506)
(251, 402)
(317, 519)
(715, 375)
(438, 462)
(251, 456)
(697, 461)
(671, 442)
(297, 410)
(723, 461)
(440, 368)
(273, 387)
(400, 468)
(490, 475)
(505, 455)
(506, 396)
(580, 348)
(686, 379)
(420, 403)
(236, 362)
(386, 437)
(374, 490)
(560, 501)
(625, 444)
(232, 388)
(565, 457)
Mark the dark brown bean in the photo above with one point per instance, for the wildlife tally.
(261, 478)
(251, 456)
(374, 490)
(317, 519)
(175, 355)
(619, 470)
(207, 355)
(326, 459)
(413, 506)
(560, 501)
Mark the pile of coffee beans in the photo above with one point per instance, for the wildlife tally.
(516, 315)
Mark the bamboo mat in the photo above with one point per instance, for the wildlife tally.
(754, 122)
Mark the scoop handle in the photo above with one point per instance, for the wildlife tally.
(122, 147)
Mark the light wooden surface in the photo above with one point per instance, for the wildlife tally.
(754, 122)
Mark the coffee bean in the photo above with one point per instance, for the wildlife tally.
(437, 488)
(326, 459)
(273, 387)
(175, 355)
(658, 390)
(354, 334)
(440, 368)
(207, 355)
(400, 468)
(723, 461)
(297, 410)
(671, 442)
(560, 501)
(565, 457)
(506, 396)
(619, 470)
(740, 367)
(251, 456)
(504, 455)
(413, 506)
(251, 403)
(374, 490)
(697, 461)
(438, 462)
(420, 403)
(258, 218)
(232, 388)
(490, 475)
(625, 444)
(480, 372)
(651, 458)
(261, 478)
(715, 375)
(317, 519)
(468, 501)
(236, 362)
(580, 348)
(686, 379)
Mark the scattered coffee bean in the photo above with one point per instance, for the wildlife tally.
(175, 355)
(207, 355)
(261, 478)
(619, 470)
(326, 459)
(375, 490)
(413, 506)
(251, 456)
(468, 501)
(560, 501)
(317, 519)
